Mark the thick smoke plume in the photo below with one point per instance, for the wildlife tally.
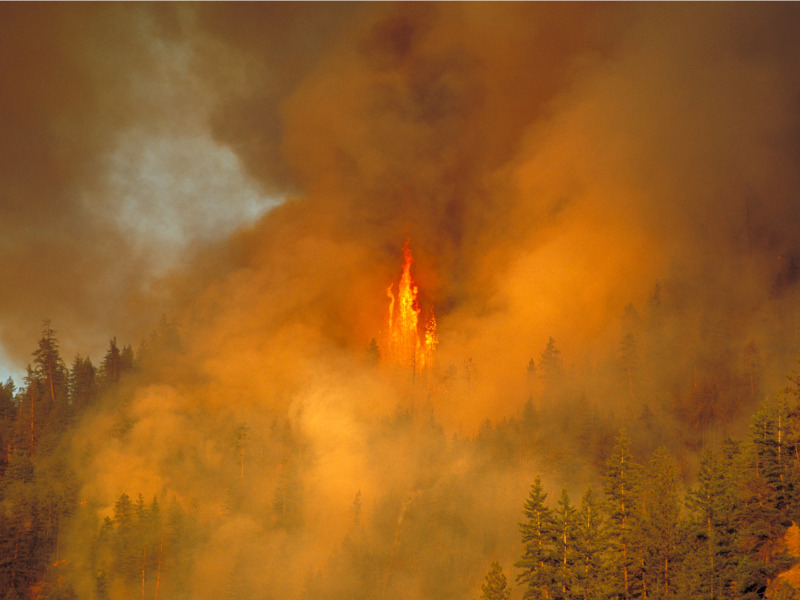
(621, 179)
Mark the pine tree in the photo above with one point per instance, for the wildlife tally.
(373, 352)
(565, 547)
(287, 502)
(660, 524)
(537, 561)
(82, 384)
(126, 548)
(774, 447)
(592, 574)
(49, 367)
(44, 408)
(762, 515)
(550, 366)
(111, 367)
(619, 484)
(713, 502)
(126, 359)
(8, 416)
(33, 410)
(495, 585)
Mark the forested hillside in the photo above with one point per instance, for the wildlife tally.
(629, 523)
(462, 300)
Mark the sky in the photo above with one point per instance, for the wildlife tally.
(586, 173)
(551, 163)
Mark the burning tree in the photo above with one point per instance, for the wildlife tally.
(404, 345)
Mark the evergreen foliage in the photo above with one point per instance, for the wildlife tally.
(539, 558)
(642, 535)
(724, 540)
(495, 586)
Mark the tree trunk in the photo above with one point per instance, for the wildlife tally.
(50, 377)
(158, 572)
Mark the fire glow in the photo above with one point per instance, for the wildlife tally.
(404, 345)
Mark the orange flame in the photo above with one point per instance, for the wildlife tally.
(431, 341)
(404, 346)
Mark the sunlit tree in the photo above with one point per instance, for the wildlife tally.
(565, 547)
(620, 487)
(538, 558)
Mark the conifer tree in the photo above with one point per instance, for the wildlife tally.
(495, 585)
(660, 524)
(111, 367)
(126, 358)
(82, 383)
(762, 515)
(550, 366)
(126, 550)
(8, 415)
(33, 410)
(565, 547)
(286, 503)
(591, 539)
(619, 483)
(49, 367)
(713, 502)
(537, 561)
(7, 406)
(773, 445)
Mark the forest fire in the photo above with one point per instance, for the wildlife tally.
(404, 345)
(602, 208)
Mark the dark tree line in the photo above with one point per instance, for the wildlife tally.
(646, 537)
(38, 490)
(636, 534)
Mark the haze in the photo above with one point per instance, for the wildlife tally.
(250, 172)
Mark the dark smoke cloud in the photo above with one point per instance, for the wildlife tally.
(98, 102)
(551, 164)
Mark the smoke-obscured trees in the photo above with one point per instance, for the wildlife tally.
(115, 363)
(140, 548)
(495, 587)
(551, 369)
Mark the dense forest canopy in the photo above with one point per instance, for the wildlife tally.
(594, 392)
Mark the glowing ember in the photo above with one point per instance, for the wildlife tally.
(403, 344)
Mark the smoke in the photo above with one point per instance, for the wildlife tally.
(106, 160)
(253, 171)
